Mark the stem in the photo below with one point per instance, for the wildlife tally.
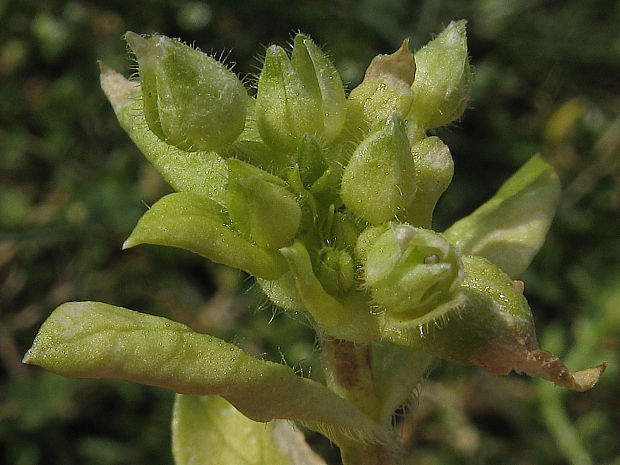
(348, 372)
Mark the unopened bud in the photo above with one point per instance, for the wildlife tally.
(260, 206)
(410, 271)
(303, 94)
(378, 183)
(434, 169)
(191, 100)
(386, 88)
(336, 270)
(443, 79)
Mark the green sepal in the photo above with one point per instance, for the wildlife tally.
(335, 270)
(433, 173)
(191, 100)
(510, 228)
(318, 74)
(97, 340)
(385, 90)
(198, 224)
(298, 96)
(260, 206)
(489, 325)
(208, 430)
(311, 161)
(410, 271)
(443, 79)
(200, 172)
(378, 183)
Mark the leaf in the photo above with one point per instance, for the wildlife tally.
(195, 223)
(97, 340)
(492, 328)
(398, 371)
(200, 172)
(207, 430)
(510, 228)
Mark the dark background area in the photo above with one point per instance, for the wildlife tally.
(72, 186)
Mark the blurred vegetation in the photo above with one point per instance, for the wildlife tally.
(72, 187)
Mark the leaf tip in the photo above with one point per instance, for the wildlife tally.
(115, 86)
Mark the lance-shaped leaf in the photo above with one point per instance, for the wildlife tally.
(195, 223)
(510, 228)
(203, 173)
(207, 430)
(97, 340)
(492, 328)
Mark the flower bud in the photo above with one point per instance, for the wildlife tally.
(336, 270)
(260, 206)
(191, 100)
(434, 169)
(410, 271)
(311, 161)
(303, 94)
(386, 89)
(443, 79)
(378, 183)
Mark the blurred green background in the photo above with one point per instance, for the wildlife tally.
(547, 79)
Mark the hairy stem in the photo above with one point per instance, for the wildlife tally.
(349, 372)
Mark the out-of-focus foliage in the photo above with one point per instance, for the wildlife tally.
(72, 186)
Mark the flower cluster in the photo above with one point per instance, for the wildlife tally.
(327, 200)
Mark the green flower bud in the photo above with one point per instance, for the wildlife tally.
(303, 94)
(344, 232)
(386, 89)
(336, 270)
(434, 169)
(410, 271)
(443, 79)
(260, 206)
(311, 161)
(191, 100)
(378, 183)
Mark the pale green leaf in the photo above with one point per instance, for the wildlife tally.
(510, 228)
(200, 172)
(492, 328)
(207, 430)
(195, 223)
(97, 340)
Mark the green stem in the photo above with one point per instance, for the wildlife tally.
(348, 372)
